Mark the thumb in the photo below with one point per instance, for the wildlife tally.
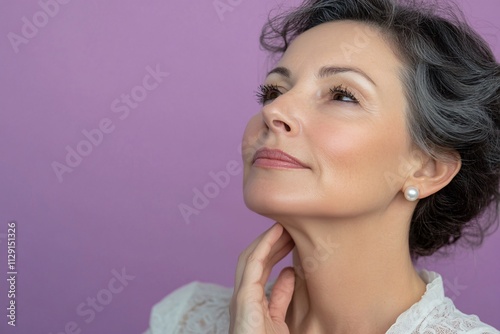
(281, 294)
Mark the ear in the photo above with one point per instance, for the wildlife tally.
(434, 173)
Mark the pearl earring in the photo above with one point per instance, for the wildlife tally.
(411, 194)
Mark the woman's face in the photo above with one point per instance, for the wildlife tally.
(336, 103)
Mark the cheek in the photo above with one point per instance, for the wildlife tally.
(251, 133)
(360, 157)
(250, 141)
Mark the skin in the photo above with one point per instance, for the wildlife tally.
(343, 215)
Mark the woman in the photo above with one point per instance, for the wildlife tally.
(377, 143)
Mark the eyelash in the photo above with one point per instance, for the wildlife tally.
(343, 91)
(263, 92)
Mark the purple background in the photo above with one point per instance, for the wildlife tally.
(119, 208)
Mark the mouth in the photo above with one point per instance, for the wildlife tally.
(272, 158)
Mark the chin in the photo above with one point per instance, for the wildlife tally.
(258, 202)
(271, 205)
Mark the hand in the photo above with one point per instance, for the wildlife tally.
(250, 311)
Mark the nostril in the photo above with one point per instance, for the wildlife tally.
(279, 124)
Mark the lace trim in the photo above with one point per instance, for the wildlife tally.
(199, 308)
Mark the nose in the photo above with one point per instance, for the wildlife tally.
(280, 118)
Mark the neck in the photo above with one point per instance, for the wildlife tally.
(351, 276)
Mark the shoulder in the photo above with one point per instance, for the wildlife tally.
(194, 308)
(447, 319)
(436, 313)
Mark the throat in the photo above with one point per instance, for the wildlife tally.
(350, 296)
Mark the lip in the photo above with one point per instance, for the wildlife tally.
(273, 158)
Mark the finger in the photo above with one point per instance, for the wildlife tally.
(258, 260)
(276, 256)
(281, 294)
(242, 262)
(278, 251)
(257, 291)
(240, 267)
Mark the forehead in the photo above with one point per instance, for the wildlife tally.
(343, 43)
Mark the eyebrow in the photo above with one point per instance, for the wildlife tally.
(324, 72)
(283, 71)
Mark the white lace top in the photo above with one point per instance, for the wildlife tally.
(199, 308)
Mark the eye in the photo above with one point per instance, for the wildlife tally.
(340, 93)
(267, 93)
